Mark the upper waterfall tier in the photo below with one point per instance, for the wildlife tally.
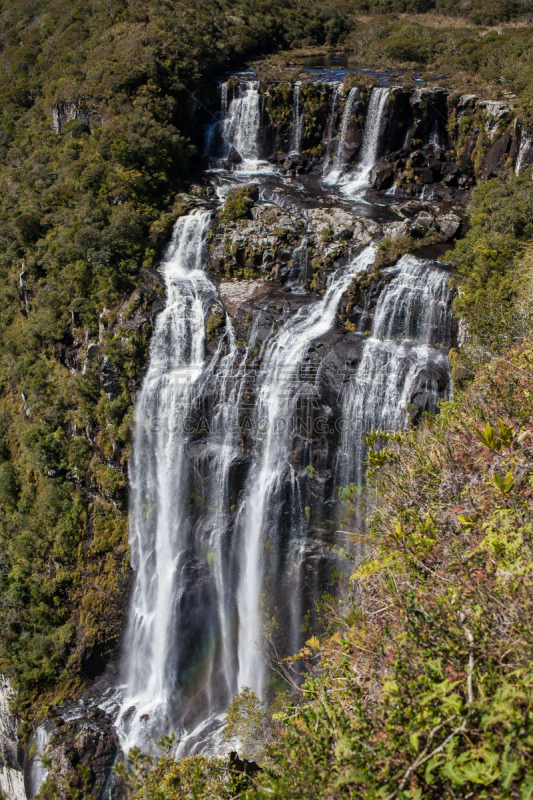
(359, 180)
(339, 156)
(235, 138)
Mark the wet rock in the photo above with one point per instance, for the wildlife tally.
(89, 743)
(449, 168)
(234, 157)
(418, 158)
(448, 225)
(382, 175)
(423, 174)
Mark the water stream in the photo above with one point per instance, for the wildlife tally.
(339, 157)
(359, 179)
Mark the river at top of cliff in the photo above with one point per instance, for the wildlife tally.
(336, 66)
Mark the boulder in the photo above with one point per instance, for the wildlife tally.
(495, 108)
(234, 157)
(423, 174)
(418, 158)
(448, 225)
(382, 175)
(449, 168)
(425, 219)
(397, 230)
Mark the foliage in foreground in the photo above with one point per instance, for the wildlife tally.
(424, 690)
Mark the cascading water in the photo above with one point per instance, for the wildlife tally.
(224, 99)
(298, 272)
(436, 138)
(339, 157)
(241, 126)
(329, 141)
(400, 361)
(358, 180)
(160, 536)
(258, 525)
(220, 517)
(526, 144)
(298, 118)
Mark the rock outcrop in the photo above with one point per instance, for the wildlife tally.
(11, 776)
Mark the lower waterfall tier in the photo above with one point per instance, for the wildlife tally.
(239, 456)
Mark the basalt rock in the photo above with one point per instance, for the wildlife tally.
(493, 163)
(11, 776)
(382, 175)
(234, 157)
(83, 109)
(89, 743)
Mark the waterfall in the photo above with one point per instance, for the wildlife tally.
(298, 118)
(242, 123)
(526, 143)
(224, 99)
(400, 361)
(436, 139)
(160, 543)
(330, 130)
(36, 772)
(358, 180)
(339, 161)
(259, 524)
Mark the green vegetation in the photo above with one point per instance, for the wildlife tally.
(492, 266)
(238, 203)
(83, 216)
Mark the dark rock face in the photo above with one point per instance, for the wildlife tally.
(382, 175)
(88, 744)
(234, 157)
(493, 160)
